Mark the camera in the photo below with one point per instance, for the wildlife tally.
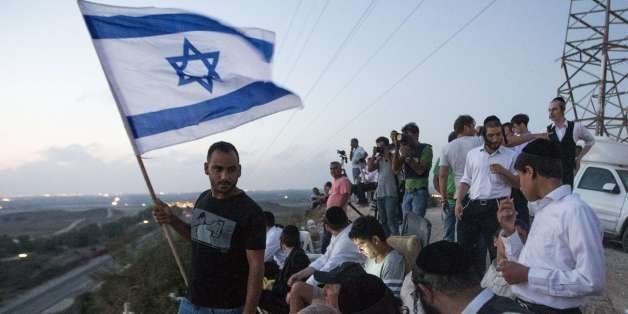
(343, 155)
(399, 138)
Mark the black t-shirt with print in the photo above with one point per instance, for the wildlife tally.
(221, 231)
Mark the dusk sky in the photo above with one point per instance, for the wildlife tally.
(60, 130)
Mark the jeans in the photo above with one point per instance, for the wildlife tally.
(448, 217)
(186, 307)
(415, 201)
(388, 214)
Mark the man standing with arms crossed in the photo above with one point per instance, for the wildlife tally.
(228, 240)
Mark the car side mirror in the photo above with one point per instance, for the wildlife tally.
(610, 188)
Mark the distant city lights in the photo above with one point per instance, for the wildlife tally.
(22, 255)
(143, 204)
(6, 199)
(0, 207)
(285, 197)
(46, 195)
(114, 203)
(145, 221)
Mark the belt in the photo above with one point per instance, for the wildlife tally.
(540, 308)
(486, 202)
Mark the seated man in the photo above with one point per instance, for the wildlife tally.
(367, 294)
(382, 260)
(333, 281)
(447, 282)
(273, 255)
(340, 250)
(274, 300)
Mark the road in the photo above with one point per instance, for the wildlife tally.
(69, 228)
(60, 289)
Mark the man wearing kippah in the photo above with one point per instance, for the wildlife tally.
(447, 283)
(566, 134)
(562, 260)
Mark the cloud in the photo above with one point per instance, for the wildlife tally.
(81, 169)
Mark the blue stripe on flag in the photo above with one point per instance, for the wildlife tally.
(243, 99)
(122, 26)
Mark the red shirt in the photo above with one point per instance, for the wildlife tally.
(340, 188)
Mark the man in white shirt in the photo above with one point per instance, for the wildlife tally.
(562, 260)
(273, 252)
(358, 162)
(447, 283)
(566, 134)
(489, 176)
(340, 250)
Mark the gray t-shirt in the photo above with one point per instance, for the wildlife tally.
(454, 154)
(386, 182)
(391, 270)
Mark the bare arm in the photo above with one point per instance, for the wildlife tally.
(371, 164)
(443, 173)
(512, 179)
(255, 259)
(163, 215)
(514, 140)
(436, 187)
(397, 162)
(462, 191)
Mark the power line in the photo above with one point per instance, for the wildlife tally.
(361, 68)
(414, 68)
(307, 41)
(353, 30)
(409, 72)
(294, 14)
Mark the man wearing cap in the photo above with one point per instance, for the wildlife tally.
(489, 176)
(332, 281)
(447, 283)
(340, 250)
(562, 260)
(566, 133)
(366, 294)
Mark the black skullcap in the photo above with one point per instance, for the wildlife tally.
(444, 258)
(543, 148)
(364, 294)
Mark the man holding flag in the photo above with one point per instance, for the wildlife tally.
(178, 76)
(228, 236)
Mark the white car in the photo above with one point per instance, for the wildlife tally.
(602, 182)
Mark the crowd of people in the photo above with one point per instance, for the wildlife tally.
(515, 237)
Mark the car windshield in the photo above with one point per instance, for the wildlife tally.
(623, 174)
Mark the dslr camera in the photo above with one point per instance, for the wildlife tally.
(343, 155)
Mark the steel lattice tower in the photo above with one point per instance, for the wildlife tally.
(595, 65)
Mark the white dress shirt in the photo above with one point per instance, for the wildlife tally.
(483, 184)
(564, 252)
(478, 302)
(340, 250)
(273, 247)
(579, 133)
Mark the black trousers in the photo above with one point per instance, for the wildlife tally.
(568, 175)
(477, 229)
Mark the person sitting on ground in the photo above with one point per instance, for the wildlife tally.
(562, 261)
(367, 294)
(340, 250)
(317, 198)
(333, 280)
(447, 282)
(274, 257)
(382, 260)
(274, 300)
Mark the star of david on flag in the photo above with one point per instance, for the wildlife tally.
(178, 76)
(190, 53)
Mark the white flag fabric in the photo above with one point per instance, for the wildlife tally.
(178, 76)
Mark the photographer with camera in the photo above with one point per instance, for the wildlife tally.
(415, 160)
(358, 162)
(386, 192)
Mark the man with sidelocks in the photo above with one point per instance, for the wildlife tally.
(227, 233)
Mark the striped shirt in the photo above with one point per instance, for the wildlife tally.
(392, 270)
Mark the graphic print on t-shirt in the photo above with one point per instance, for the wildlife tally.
(212, 230)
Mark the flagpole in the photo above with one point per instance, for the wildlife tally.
(164, 228)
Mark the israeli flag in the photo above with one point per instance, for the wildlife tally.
(178, 76)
